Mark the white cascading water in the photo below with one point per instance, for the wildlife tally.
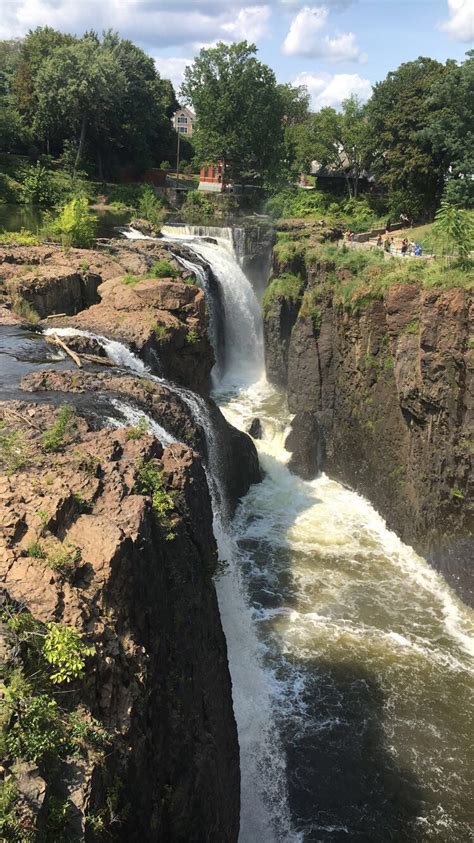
(367, 654)
(351, 659)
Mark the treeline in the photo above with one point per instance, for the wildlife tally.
(96, 103)
(414, 136)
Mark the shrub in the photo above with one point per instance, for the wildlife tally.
(53, 438)
(36, 551)
(163, 269)
(150, 207)
(19, 238)
(65, 651)
(37, 730)
(150, 482)
(197, 207)
(24, 310)
(38, 187)
(138, 431)
(11, 826)
(192, 337)
(75, 224)
(311, 307)
(161, 332)
(413, 327)
(165, 165)
(63, 557)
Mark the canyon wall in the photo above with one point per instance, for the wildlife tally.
(383, 394)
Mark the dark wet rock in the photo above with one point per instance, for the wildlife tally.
(306, 444)
(255, 429)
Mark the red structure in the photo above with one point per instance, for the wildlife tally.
(212, 178)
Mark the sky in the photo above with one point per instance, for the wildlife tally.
(334, 47)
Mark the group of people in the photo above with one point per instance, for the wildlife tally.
(407, 248)
(349, 235)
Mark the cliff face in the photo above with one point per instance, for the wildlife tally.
(138, 587)
(383, 398)
(107, 535)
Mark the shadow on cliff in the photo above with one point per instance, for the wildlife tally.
(344, 782)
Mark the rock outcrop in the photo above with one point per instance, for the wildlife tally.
(387, 392)
(138, 587)
(164, 319)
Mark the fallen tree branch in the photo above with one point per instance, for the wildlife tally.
(55, 340)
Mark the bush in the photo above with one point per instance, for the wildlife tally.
(65, 651)
(24, 310)
(150, 208)
(197, 207)
(165, 165)
(19, 238)
(13, 450)
(38, 187)
(163, 269)
(75, 224)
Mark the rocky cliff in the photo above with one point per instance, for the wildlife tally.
(117, 720)
(382, 386)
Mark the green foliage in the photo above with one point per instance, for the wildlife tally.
(286, 286)
(239, 110)
(36, 550)
(53, 438)
(63, 557)
(192, 337)
(457, 494)
(37, 730)
(165, 165)
(163, 269)
(331, 209)
(13, 450)
(311, 307)
(19, 238)
(86, 733)
(150, 482)
(131, 280)
(454, 230)
(65, 651)
(38, 187)
(150, 208)
(161, 332)
(24, 310)
(75, 224)
(197, 207)
(58, 814)
(139, 430)
(12, 828)
(412, 327)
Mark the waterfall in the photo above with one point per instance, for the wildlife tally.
(351, 659)
(242, 314)
(366, 655)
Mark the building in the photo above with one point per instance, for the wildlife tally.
(183, 121)
(212, 178)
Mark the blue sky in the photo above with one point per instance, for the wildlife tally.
(336, 47)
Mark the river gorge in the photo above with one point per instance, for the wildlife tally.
(350, 655)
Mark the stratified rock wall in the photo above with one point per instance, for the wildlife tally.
(141, 592)
(391, 391)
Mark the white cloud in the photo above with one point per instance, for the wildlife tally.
(251, 24)
(325, 89)
(151, 23)
(304, 30)
(460, 25)
(173, 69)
(304, 38)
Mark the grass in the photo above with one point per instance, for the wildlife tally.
(159, 269)
(24, 310)
(13, 450)
(311, 307)
(287, 286)
(161, 333)
(53, 438)
(63, 557)
(192, 337)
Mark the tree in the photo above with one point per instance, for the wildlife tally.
(295, 108)
(338, 141)
(239, 111)
(78, 86)
(454, 232)
(450, 128)
(405, 160)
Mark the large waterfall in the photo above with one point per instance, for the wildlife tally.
(351, 659)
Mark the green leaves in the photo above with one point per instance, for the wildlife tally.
(239, 110)
(65, 651)
(454, 232)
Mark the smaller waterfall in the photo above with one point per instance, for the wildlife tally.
(135, 418)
